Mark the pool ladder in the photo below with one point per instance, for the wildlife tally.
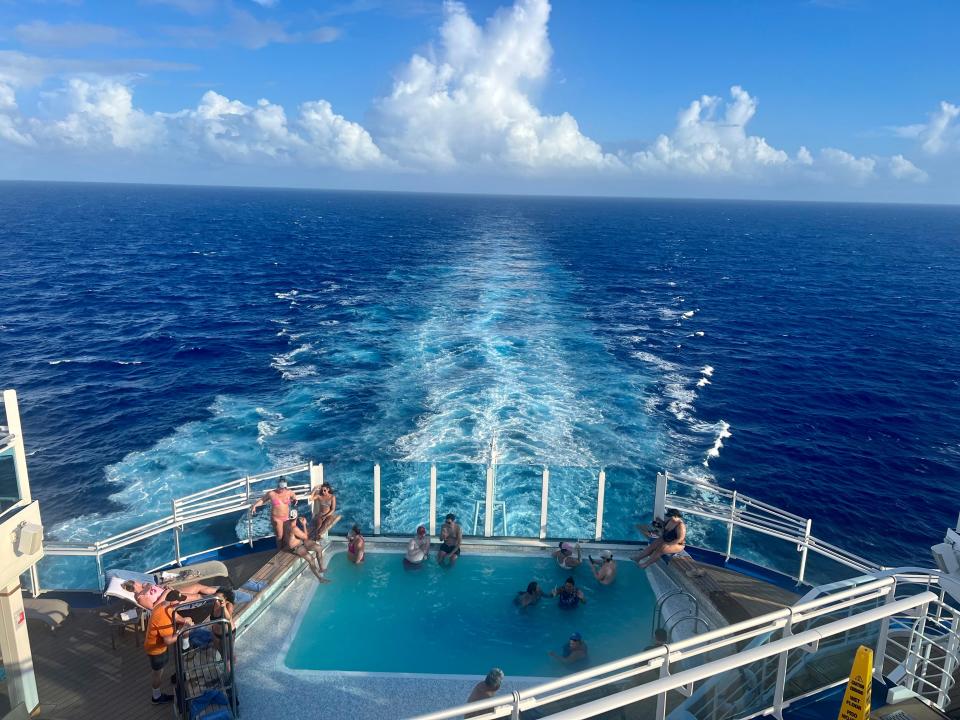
(671, 621)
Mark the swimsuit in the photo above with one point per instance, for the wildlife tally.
(568, 600)
(671, 535)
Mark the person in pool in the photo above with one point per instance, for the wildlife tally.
(568, 595)
(672, 540)
(281, 499)
(530, 596)
(324, 509)
(297, 540)
(486, 688)
(418, 549)
(573, 652)
(605, 571)
(451, 535)
(564, 556)
(356, 545)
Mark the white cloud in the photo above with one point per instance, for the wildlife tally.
(469, 104)
(903, 169)
(940, 133)
(10, 118)
(70, 35)
(843, 165)
(100, 115)
(705, 143)
(245, 30)
(23, 71)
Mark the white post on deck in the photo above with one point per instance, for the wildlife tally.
(316, 475)
(433, 499)
(660, 499)
(544, 495)
(733, 513)
(19, 453)
(598, 533)
(376, 499)
(246, 482)
(176, 531)
(803, 552)
(488, 505)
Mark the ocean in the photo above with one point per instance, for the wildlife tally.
(166, 339)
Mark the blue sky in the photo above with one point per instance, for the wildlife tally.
(800, 99)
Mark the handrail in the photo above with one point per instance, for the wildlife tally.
(540, 695)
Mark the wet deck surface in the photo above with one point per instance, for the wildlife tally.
(80, 675)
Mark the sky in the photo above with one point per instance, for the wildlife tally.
(769, 99)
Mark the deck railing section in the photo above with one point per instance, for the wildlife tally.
(479, 488)
(777, 640)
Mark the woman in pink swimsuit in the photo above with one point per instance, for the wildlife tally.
(355, 545)
(281, 499)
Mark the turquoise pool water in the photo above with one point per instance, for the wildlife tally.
(380, 617)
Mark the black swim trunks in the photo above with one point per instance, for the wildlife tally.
(450, 549)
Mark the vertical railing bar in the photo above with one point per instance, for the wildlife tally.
(100, 572)
(246, 481)
(601, 488)
(803, 552)
(782, 672)
(731, 524)
(433, 499)
(176, 532)
(884, 634)
(376, 499)
(488, 505)
(544, 497)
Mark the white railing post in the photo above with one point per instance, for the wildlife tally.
(176, 532)
(949, 664)
(488, 505)
(376, 499)
(660, 498)
(882, 639)
(733, 514)
(433, 499)
(782, 673)
(662, 697)
(100, 577)
(246, 483)
(601, 487)
(316, 475)
(515, 713)
(34, 581)
(544, 497)
(803, 552)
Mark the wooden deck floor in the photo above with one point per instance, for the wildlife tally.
(81, 676)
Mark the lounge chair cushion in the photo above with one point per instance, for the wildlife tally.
(52, 612)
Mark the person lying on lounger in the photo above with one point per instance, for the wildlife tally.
(672, 540)
(147, 595)
(296, 539)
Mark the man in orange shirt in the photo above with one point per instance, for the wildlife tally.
(161, 634)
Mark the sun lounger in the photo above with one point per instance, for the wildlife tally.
(175, 576)
(49, 611)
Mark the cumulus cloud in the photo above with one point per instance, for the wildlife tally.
(469, 103)
(903, 169)
(939, 133)
(845, 166)
(708, 143)
(10, 118)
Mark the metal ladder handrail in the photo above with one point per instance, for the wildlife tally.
(658, 609)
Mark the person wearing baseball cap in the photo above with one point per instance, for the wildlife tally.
(574, 651)
(565, 557)
(604, 570)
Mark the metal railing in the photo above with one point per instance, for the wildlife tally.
(711, 503)
(806, 628)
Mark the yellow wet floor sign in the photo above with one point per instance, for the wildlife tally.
(856, 700)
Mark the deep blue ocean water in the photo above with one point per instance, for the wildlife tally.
(167, 339)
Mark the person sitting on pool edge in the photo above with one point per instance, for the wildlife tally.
(486, 688)
(574, 651)
(672, 540)
(418, 549)
(324, 509)
(564, 555)
(356, 545)
(451, 535)
(530, 596)
(296, 539)
(569, 595)
(604, 571)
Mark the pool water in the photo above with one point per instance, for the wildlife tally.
(381, 617)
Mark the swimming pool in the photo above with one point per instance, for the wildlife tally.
(381, 618)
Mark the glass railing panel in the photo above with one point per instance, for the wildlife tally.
(706, 533)
(352, 483)
(461, 490)
(823, 570)
(518, 493)
(68, 572)
(736, 693)
(404, 497)
(9, 490)
(572, 506)
(628, 500)
(144, 555)
(769, 552)
(223, 530)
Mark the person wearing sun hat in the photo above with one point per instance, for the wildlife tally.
(565, 557)
(574, 651)
(605, 571)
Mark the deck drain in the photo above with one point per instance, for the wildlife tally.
(898, 715)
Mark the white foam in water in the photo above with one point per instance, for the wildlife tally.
(706, 371)
(702, 382)
(688, 314)
(723, 434)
